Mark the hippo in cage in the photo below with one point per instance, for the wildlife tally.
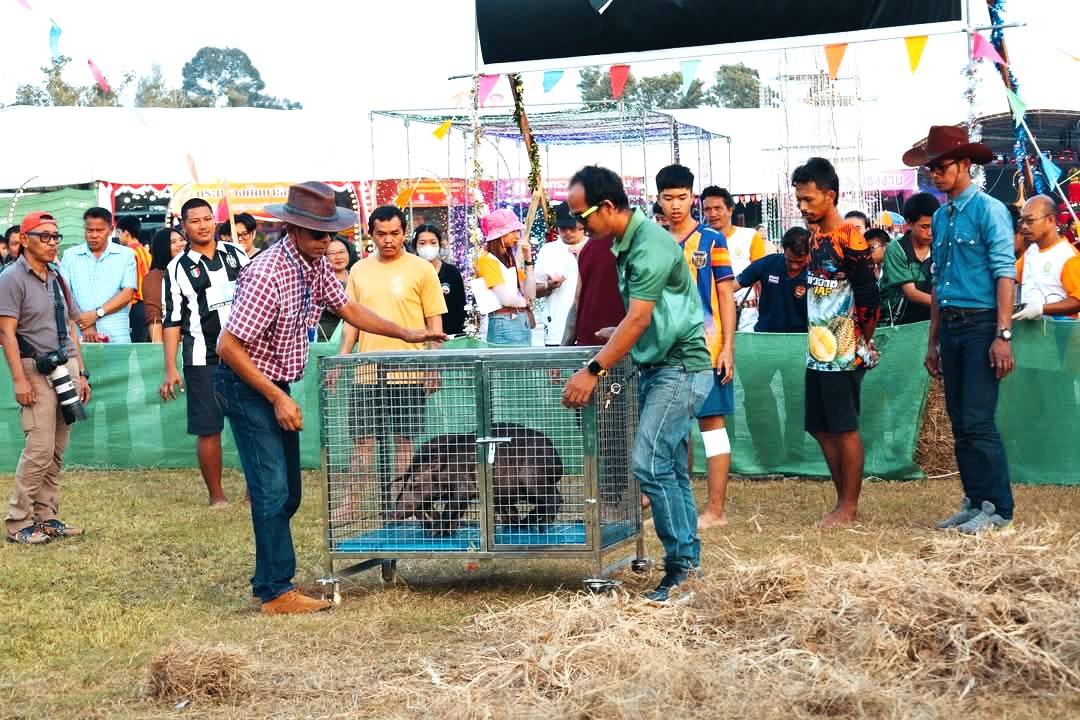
(440, 484)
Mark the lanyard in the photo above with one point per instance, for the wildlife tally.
(308, 308)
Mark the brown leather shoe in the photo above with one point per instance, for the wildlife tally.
(294, 603)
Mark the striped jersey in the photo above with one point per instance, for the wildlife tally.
(197, 293)
(706, 254)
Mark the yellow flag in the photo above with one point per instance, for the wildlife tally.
(441, 131)
(404, 196)
(915, 45)
(834, 54)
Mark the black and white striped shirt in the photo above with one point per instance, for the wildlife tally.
(197, 293)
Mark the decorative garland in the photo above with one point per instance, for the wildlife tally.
(475, 203)
(532, 149)
(1020, 153)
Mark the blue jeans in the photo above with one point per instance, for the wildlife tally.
(670, 398)
(971, 394)
(270, 458)
(506, 329)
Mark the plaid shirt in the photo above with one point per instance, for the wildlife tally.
(279, 297)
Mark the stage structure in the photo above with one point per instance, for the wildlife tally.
(430, 176)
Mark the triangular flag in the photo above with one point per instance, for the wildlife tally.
(191, 168)
(441, 131)
(1050, 170)
(222, 212)
(551, 78)
(689, 72)
(54, 40)
(915, 45)
(981, 48)
(98, 77)
(404, 196)
(25, 4)
(487, 82)
(600, 5)
(1018, 106)
(834, 54)
(619, 74)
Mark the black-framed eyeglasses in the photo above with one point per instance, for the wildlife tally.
(245, 235)
(47, 238)
(1031, 220)
(939, 168)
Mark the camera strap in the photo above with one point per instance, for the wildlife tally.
(25, 349)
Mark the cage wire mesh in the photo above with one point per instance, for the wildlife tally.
(469, 452)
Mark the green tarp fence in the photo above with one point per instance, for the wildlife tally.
(130, 427)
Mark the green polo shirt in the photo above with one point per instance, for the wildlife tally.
(651, 267)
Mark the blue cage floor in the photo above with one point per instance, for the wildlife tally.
(410, 537)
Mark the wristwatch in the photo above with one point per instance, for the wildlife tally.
(84, 374)
(1004, 334)
(100, 312)
(596, 369)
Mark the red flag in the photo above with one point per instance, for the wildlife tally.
(98, 77)
(619, 74)
(222, 212)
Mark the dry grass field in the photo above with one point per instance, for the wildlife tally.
(149, 615)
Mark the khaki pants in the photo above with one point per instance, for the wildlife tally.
(37, 487)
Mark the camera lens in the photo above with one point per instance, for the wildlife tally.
(71, 406)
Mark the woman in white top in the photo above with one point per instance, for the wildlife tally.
(503, 293)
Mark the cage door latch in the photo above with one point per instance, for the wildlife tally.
(491, 442)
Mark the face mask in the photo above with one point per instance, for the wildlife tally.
(428, 252)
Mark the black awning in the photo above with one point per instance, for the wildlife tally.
(529, 30)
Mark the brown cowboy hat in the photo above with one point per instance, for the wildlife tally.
(947, 142)
(311, 205)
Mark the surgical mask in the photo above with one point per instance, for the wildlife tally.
(428, 252)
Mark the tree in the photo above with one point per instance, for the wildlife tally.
(737, 86)
(227, 77)
(152, 91)
(657, 92)
(57, 91)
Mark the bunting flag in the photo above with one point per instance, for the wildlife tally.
(98, 77)
(25, 4)
(981, 48)
(1017, 106)
(487, 83)
(619, 74)
(915, 46)
(689, 70)
(1050, 170)
(54, 40)
(441, 131)
(551, 79)
(222, 212)
(834, 54)
(191, 168)
(404, 196)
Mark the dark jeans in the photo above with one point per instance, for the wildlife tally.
(140, 331)
(971, 394)
(270, 458)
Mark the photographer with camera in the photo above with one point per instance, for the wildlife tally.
(51, 383)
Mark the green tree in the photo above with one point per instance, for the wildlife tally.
(54, 90)
(151, 91)
(227, 77)
(658, 92)
(737, 86)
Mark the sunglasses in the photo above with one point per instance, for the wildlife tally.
(47, 238)
(939, 168)
(580, 217)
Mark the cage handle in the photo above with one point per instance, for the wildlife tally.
(491, 442)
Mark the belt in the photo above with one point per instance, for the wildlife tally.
(962, 314)
(512, 312)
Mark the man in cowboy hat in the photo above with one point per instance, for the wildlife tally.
(264, 347)
(971, 304)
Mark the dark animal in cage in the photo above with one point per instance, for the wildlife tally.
(440, 483)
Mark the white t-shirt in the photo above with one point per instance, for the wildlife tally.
(556, 258)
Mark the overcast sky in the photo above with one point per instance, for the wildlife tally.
(344, 56)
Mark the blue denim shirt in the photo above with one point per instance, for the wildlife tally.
(972, 249)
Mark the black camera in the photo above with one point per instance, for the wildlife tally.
(53, 365)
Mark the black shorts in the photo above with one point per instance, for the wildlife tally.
(832, 400)
(204, 415)
(387, 409)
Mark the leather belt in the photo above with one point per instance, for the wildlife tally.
(512, 312)
(962, 314)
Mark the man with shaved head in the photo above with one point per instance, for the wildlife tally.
(1049, 270)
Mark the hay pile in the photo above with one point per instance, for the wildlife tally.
(934, 450)
(904, 636)
(185, 671)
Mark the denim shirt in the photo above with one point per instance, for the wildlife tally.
(972, 249)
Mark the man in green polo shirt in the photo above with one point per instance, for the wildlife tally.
(664, 333)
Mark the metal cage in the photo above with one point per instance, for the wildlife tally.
(470, 454)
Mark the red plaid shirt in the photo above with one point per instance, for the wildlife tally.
(279, 296)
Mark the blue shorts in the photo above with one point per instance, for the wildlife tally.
(721, 400)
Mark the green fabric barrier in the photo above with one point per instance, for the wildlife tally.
(130, 427)
(66, 205)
